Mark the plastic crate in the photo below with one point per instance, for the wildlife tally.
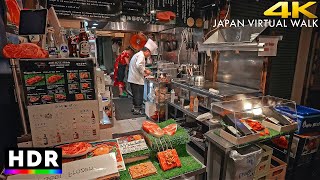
(277, 172)
(264, 165)
(308, 118)
(261, 177)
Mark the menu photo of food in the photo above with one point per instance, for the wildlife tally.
(85, 86)
(47, 99)
(74, 87)
(55, 78)
(61, 97)
(84, 75)
(34, 79)
(73, 76)
(79, 97)
(33, 99)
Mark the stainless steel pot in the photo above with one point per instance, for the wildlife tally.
(198, 80)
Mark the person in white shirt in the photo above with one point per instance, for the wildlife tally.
(137, 72)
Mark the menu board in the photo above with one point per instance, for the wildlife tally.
(54, 81)
(96, 9)
(182, 9)
(54, 124)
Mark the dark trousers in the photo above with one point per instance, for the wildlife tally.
(137, 93)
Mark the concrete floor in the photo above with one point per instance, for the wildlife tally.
(122, 127)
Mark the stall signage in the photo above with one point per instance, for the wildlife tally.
(102, 9)
(90, 168)
(55, 81)
(33, 161)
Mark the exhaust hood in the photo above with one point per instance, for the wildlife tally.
(234, 38)
(136, 27)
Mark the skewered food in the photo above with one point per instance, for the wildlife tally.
(142, 170)
(152, 128)
(54, 78)
(168, 159)
(76, 148)
(170, 129)
(34, 80)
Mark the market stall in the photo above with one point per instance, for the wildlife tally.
(206, 94)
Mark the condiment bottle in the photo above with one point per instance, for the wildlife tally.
(196, 104)
(173, 95)
(64, 50)
(191, 105)
(52, 48)
(84, 47)
(72, 44)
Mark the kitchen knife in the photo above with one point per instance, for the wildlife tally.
(231, 121)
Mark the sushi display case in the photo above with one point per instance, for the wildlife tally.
(254, 119)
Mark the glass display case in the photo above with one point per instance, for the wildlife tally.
(254, 119)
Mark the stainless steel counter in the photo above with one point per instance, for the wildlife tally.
(225, 90)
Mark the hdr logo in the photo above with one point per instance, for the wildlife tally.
(296, 10)
(33, 161)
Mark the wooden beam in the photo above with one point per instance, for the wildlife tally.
(302, 61)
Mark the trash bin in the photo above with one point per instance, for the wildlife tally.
(242, 163)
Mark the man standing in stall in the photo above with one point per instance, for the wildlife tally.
(137, 72)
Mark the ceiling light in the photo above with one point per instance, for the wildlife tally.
(94, 27)
(95, 24)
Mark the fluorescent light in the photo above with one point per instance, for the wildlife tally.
(95, 24)
(94, 27)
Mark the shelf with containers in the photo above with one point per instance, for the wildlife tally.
(155, 96)
(245, 123)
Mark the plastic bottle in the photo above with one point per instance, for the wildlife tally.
(52, 48)
(173, 95)
(191, 105)
(63, 49)
(196, 105)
